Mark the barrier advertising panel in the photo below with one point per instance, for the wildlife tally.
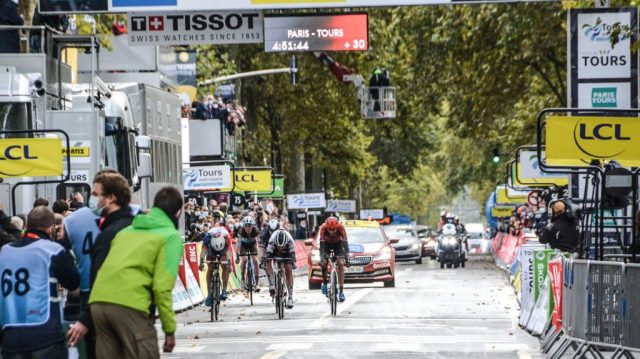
(540, 264)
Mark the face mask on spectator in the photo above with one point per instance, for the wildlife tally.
(93, 205)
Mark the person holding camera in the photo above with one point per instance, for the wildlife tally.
(562, 230)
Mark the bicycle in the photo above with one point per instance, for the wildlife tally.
(281, 288)
(333, 289)
(249, 275)
(215, 287)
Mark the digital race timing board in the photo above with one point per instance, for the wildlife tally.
(349, 32)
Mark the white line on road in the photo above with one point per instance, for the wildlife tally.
(351, 300)
(290, 346)
(272, 355)
(188, 349)
(399, 347)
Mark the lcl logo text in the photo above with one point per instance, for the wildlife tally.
(16, 152)
(603, 131)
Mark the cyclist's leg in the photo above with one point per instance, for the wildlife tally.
(340, 251)
(323, 261)
(288, 271)
(268, 267)
(256, 271)
(209, 275)
(225, 275)
(243, 264)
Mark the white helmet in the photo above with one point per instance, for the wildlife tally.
(217, 242)
(248, 220)
(274, 224)
(281, 239)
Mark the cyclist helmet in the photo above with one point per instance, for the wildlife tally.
(456, 218)
(281, 239)
(331, 223)
(274, 224)
(443, 214)
(248, 221)
(217, 242)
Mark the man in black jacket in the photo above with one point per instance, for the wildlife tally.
(562, 231)
(111, 197)
(8, 232)
(9, 39)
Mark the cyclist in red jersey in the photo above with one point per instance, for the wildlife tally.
(333, 237)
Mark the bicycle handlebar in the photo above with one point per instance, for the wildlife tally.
(217, 262)
(281, 259)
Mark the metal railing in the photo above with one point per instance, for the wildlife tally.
(600, 309)
(377, 102)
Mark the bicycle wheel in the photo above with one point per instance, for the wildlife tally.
(215, 300)
(250, 279)
(333, 296)
(280, 295)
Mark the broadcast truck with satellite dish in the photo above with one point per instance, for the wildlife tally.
(132, 127)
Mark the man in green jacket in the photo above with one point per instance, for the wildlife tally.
(139, 273)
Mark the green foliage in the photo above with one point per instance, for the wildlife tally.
(468, 78)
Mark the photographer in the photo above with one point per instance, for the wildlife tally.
(562, 230)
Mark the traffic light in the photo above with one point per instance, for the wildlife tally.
(293, 70)
(496, 155)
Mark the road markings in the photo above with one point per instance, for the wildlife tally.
(351, 300)
(272, 355)
(188, 349)
(506, 347)
(290, 346)
(399, 347)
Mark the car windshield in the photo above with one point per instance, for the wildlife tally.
(362, 235)
(475, 235)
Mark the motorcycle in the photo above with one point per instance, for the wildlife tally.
(451, 248)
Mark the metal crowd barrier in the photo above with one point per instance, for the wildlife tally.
(601, 309)
(631, 306)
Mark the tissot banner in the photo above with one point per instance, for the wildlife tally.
(189, 28)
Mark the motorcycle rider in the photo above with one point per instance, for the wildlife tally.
(281, 245)
(333, 236)
(442, 221)
(461, 231)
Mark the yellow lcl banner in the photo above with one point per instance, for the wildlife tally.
(30, 157)
(577, 140)
(501, 211)
(252, 180)
(503, 197)
(535, 181)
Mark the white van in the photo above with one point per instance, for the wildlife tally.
(477, 242)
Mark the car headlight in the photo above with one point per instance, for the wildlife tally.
(385, 255)
(415, 246)
(315, 256)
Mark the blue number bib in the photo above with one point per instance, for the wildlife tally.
(25, 283)
(82, 231)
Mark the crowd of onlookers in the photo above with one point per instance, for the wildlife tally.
(210, 108)
(199, 219)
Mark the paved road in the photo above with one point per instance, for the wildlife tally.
(469, 312)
